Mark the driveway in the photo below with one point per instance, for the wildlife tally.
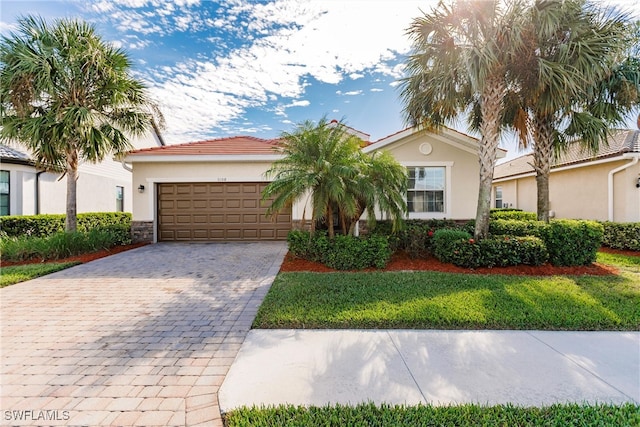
(144, 337)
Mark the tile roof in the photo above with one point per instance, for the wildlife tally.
(11, 154)
(620, 142)
(236, 145)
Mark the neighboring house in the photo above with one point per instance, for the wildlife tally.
(28, 190)
(211, 190)
(582, 185)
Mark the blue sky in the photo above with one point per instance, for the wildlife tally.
(239, 67)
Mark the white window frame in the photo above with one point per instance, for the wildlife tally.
(496, 189)
(119, 200)
(447, 190)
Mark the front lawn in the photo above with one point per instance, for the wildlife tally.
(434, 300)
(21, 273)
(426, 415)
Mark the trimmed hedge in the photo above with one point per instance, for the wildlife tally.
(572, 242)
(502, 251)
(513, 214)
(58, 245)
(47, 225)
(415, 238)
(341, 253)
(515, 227)
(622, 235)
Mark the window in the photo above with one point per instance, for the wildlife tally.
(426, 189)
(119, 199)
(498, 197)
(4, 193)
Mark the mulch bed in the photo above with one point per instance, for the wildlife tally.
(400, 261)
(80, 258)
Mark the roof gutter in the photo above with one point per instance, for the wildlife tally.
(635, 157)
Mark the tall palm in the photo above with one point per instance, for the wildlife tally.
(68, 95)
(571, 83)
(324, 162)
(459, 58)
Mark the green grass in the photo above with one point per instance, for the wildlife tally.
(617, 260)
(433, 300)
(20, 273)
(371, 415)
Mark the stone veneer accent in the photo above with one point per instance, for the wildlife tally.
(142, 231)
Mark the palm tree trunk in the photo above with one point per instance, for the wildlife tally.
(70, 224)
(542, 156)
(490, 129)
(330, 220)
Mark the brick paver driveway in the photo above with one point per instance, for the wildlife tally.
(144, 337)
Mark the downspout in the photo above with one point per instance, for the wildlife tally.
(126, 166)
(38, 191)
(635, 157)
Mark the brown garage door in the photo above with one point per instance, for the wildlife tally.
(224, 211)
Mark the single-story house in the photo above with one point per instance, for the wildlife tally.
(26, 189)
(211, 190)
(582, 185)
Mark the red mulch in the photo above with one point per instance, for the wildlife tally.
(401, 262)
(80, 258)
(620, 251)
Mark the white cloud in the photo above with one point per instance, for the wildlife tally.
(287, 42)
(376, 89)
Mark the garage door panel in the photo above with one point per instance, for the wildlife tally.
(217, 212)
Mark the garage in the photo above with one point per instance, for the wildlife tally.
(217, 211)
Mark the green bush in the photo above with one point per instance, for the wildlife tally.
(515, 227)
(513, 214)
(453, 246)
(504, 251)
(624, 235)
(572, 242)
(47, 225)
(500, 251)
(58, 245)
(341, 253)
(416, 237)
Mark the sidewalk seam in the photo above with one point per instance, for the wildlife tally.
(593, 374)
(407, 366)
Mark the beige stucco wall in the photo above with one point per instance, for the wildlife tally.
(582, 193)
(462, 199)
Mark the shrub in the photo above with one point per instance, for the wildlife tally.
(341, 253)
(56, 246)
(504, 251)
(416, 238)
(572, 242)
(622, 235)
(447, 245)
(513, 214)
(514, 227)
(47, 225)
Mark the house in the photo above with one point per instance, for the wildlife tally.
(211, 190)
(582, 185)
(26, 189)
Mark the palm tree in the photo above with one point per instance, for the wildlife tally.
(68, 96)
(325, 162)
(571, 83)
(459, 59)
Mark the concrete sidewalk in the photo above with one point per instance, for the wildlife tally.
(527, 368)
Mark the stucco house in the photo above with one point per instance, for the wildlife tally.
(582, 185)
(28, 190)
(210, 190)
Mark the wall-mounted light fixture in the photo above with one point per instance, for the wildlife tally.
(638, 183)
(140, 188)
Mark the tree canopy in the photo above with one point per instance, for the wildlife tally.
(69, 97)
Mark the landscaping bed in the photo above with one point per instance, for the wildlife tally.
(400, 261)
(81, 259)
